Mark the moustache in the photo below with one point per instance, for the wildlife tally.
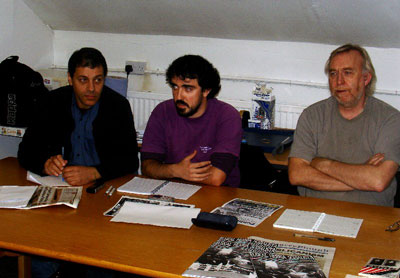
(181, 102)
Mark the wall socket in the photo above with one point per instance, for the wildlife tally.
(138, 67)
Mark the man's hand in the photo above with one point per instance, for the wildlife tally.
(375, 160)
(187, 170)
(80, 175)
(54, 166)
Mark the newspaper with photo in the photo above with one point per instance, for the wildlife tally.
(28, 197)
(248, 212)
(251, 257)
(323, 255)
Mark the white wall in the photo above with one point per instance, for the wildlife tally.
(297, 68)
(24, 35)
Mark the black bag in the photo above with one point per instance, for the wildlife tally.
(20, 89)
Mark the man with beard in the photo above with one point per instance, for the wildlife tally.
(193, 136)
(347, 147)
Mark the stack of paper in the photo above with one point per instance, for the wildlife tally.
(153, 212)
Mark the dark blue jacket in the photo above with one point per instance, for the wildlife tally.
(113, 131)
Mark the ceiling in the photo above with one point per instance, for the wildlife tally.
(373, 23)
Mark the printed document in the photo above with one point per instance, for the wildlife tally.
(27, 197)
(248, 212)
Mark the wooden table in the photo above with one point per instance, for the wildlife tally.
(85, 236)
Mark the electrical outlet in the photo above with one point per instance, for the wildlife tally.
(138, 67)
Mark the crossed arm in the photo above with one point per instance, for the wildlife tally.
(330, 175)
(202, 172)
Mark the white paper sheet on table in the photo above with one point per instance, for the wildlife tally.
(46, 180)
(156, 215)
(15, 196)
(146, 186)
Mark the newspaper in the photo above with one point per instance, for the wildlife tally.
(323, 255)
(27, 197)
(249, 257)
(125, 199)
(248, 212)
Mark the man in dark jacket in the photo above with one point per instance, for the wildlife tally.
(84, 131)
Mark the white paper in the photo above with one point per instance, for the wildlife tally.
(297, 220)
(310, 221)
(15, 196)
(341, 226)
(178, 190)
(167, 216)
(46, 180)
(139, 185)
(144, 186)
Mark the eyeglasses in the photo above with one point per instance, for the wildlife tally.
(394, 227)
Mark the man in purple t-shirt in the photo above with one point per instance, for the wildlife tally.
(193, 136)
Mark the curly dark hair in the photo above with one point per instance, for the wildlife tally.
(196, 67)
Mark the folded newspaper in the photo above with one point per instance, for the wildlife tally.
(27, 197)
(257, 257)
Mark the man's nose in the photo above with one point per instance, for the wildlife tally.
(340, 78)
(90, 86)
(179, 92)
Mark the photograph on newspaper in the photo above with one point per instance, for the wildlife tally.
(50, 195)
(238, 257)
(248, 212)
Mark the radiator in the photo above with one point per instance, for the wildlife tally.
(142, 103)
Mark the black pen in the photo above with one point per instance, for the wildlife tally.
(316, 237)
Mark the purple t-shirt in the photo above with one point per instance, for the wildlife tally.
(216, 136)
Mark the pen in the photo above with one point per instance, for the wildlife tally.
(108, 190)
(316, 237)
(111, 191)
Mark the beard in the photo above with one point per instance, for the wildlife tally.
(189, 111)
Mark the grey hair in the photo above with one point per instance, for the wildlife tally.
(367, 64)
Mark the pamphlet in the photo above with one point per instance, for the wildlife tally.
(377, 267)
(310, 221)
(146, 186)
(27, 197)
(248, 212)
(258, 257)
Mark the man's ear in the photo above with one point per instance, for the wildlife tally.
(69, 79)
(206, 92)
(367, 78)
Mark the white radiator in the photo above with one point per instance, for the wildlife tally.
(142, 103)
